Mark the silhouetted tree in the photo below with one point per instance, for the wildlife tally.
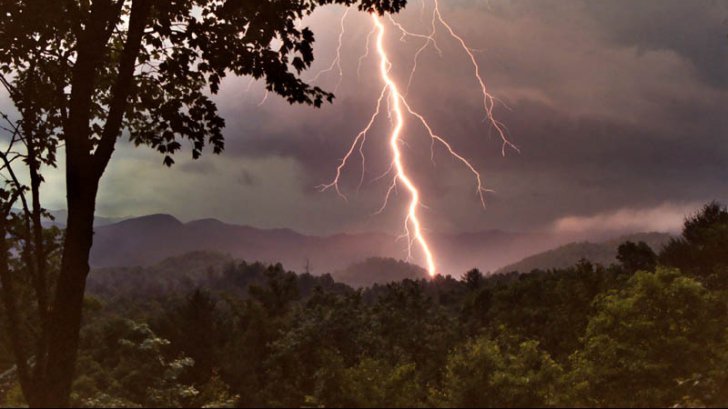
(473, 279)
(91, 69)
(702, 248)
(636, 256)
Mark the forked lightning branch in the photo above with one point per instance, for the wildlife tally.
(400, 110)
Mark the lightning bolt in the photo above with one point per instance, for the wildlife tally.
(336, 63)
(398, 108)
(396, 101)
(488, 100)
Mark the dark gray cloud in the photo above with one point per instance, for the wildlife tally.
(695, 29)
(247, 178)
(614, 104)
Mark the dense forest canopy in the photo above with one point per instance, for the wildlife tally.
(651, 330)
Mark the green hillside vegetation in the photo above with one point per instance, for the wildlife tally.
(648, 330)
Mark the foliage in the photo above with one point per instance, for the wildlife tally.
(134, 368)
(501, 372)
(646, 340)
(541, 304)
(254, 335)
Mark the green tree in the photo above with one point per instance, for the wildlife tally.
(647, 339)
(324, 336)
(132, 370)
(92, 69)
(500, 373)
(411, 327)
(280, 291)
(245, 356)
(259, 323)
(195, 329)
(540, 305)
(374, 383)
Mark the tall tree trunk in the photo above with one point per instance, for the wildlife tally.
(83, 173)
(55, 386)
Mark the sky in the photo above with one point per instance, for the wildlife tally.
(618, 109)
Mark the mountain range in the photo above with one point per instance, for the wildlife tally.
(147, 240)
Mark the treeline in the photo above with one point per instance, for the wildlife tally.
(649, 331)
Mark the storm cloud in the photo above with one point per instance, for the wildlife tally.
(614, 105)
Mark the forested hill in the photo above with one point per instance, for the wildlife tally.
(205, 269)
(147, 240)
(195, 270)
(205, 330)
(378, 270)
(603, 253)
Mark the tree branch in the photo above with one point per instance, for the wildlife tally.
(91, 46)
(121, 89)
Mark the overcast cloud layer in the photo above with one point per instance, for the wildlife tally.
(618, 107)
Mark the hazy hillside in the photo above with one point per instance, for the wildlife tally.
(60, 216)
(175, 274)
(189, 272)
(378, 270)
(150, 239)
(147, 240)
(196, 269)
(603, 253)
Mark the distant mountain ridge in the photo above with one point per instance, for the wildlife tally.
(60, 216)
(150, 239)
(147, 240)
(197, 269)
(604, 253)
